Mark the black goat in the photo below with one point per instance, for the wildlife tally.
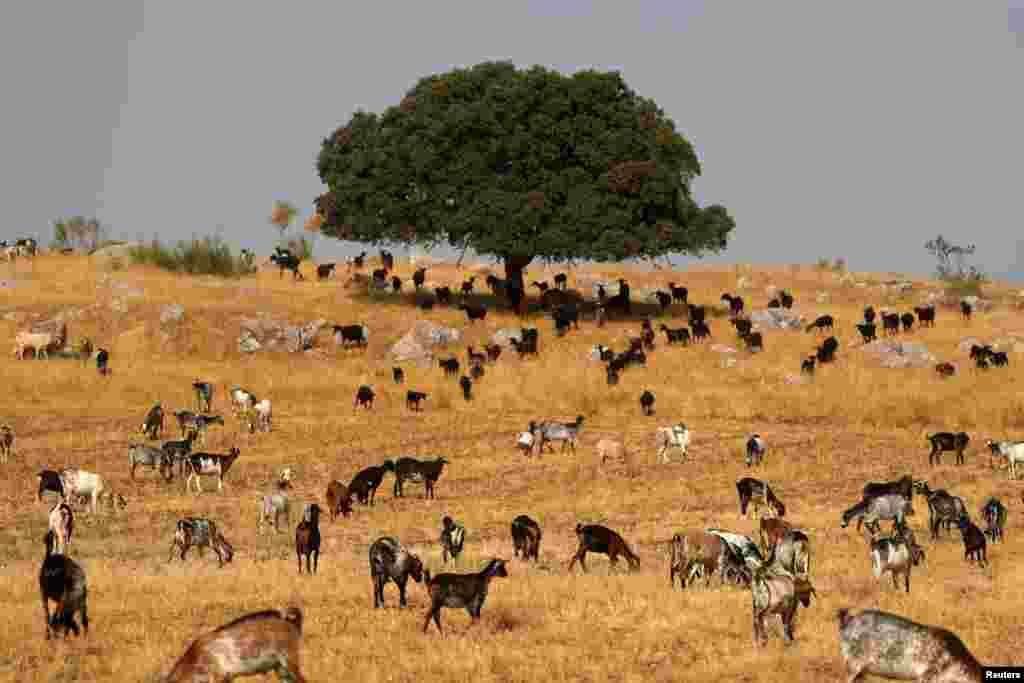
(467, 285)
(743, 326)
(562, 281)
(680, 294)
(358, 335)
(908, 321)
(62, 580)
(493, 351)
(974, 541)
(925, 315)
(891, 323)
(526, 537)
(867, 332)
(947, 441)
(390, 561)
(398, 374)
(735, 303)
(413, 398)
(307, 538)
(419, 277)
(753, 341)
(396, 284)
(700, 330)
(364, 397)
(475, 358)
(426, 471)
(474, 313)
(49, 480)
(364, 485)
(444, 295)
(476, 371)
(826, 353)
(822, 322)
(664, 300)
(450, 366)
(647, 402)
(945, 369)
(468, 591)
(324, 270)
(387, 259)
(466, 384)
(869, 314)
(285, 260)
(807, 366)
(696, 313)
(786, 299)
(966, 310)
(673, 336)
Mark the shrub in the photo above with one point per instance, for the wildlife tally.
(206, 256)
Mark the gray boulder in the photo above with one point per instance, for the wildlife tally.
(419, 343)
(274, 335)
(894, 354)
(777, 319)
(504, 337)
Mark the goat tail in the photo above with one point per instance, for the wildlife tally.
(843, 616)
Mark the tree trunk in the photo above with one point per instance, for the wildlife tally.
(514, 266)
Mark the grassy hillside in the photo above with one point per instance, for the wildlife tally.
(856, 422)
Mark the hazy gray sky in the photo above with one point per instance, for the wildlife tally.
(853, 129)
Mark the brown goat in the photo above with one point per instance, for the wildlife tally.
(200, 533)
(339, 500)
(700, 553)
(526, 535)
(261, 642)
(307, 538)
(595, 538)
(772, 531)
(62, 580)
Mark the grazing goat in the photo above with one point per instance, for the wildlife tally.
(673, 336)
(444, 295)
(771, 532)
(468, 591)
(352, 335)
(285, 260)
(41, 343)
(325, 270)
(413, 398)
(867, 332)
(204, 395)
(493, 352)
(453, 536)
(364, 397)
(903, 487)
(475, 358)
(390, 561)
(153, 424)
(758, 492)
(50, 480)
(398, 374)
(647, 403)
(147, 456)
(881, 644)
(425, 471)
(396, 284)
(700, 553)
(273, 506)
(200, 533)
(263, 412)
(364, 485)
(891, 323)
(6, 443)
(62, 580)
(339, 500)
(966, 310)
(669, 438)
(307, 538)
(897, 555)
(1013, 451)
(869, 314)
(908, 321)
(947, 441)
(743, 546)
(62, 525)
(753, 341)
(890, 506)
(547, 432)
(241, 400)
(526, 537)
(209, 465)
(258, 643)
(525, 442)
(664, 300)
(807, 365)
(178, 451)
(925, 315)
(419, 277)
(792, 553)
(76, 482)
(700, 331)
(466, 384)
(680, 294)
(974, 541)
(476, 371)
(450, 366)
(735, 303)
(826, 353)
(612, 450)
(822, 322)
(943, 508)
(786, 299)
(474, 313)
(467, 285)
(755, 450)
(595, 538)
(945, 370)
(994, 514)
(778, 593)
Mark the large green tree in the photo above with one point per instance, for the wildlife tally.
(519, 164)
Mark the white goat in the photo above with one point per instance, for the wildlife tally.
(241, 400)
(1013, 451)
(272, 507)
(668, 438)
(81, 483)
(263, 415)
(41, 342)
(62, 523)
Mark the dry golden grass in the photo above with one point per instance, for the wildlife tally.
(855, 423)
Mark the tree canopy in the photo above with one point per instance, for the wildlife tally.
(519, 164)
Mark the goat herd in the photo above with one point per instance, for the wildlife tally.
(776, 570)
